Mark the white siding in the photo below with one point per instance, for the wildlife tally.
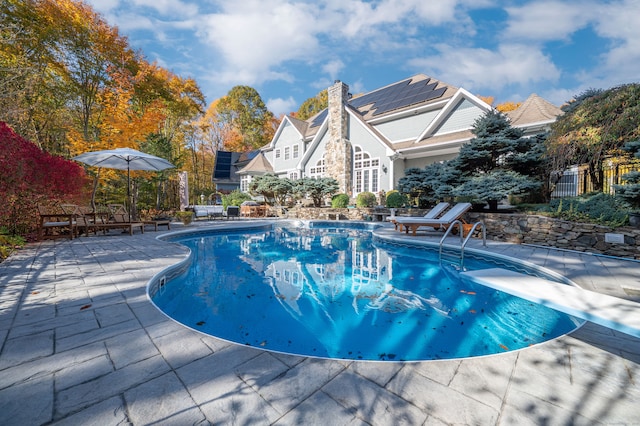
(288, 137)
(317, 153)
(461, 118)
(408, 128)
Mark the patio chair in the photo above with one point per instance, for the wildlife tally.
(233, 211)
(431, 214)
(413, 223)
(120, 218)
(56, 223)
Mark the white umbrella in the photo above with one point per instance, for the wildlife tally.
(124, 159)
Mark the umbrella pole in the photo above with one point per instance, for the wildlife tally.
(128, 191)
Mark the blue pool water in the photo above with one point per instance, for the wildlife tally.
(336, 292)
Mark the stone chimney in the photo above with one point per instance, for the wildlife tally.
(338, 152)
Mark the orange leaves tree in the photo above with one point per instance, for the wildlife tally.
(70, 83)
(30, 177)
(245, 112)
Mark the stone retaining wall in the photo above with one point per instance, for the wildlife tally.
(546, 231)
(515, 228)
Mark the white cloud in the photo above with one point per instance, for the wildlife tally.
(483, 69)
(280, 106)
(620, 25)
(333, 68)
(548, 20)
(255, 40)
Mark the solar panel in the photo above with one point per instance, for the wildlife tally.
(320, 118)
(404, 94)
(222, 169)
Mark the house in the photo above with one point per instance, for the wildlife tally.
(226, 168)
(367, 142)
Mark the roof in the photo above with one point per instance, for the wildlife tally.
(245, 157)
(534, 110)
(259, 164)
(413, 92)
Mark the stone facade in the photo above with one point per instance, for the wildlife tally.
(338, 152)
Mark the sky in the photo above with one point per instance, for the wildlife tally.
(291, 50)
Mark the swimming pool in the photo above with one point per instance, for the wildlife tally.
(336, 291)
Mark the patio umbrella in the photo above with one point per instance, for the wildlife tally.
(124, 159)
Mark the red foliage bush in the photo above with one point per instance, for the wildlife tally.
(30, 176)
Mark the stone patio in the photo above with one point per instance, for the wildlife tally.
(82, 344)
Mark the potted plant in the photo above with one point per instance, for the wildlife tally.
(185, 217)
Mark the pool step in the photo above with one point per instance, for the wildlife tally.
(612, 312)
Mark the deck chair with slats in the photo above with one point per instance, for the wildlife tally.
(431, 214)
(412, 224)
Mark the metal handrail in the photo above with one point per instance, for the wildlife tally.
(484, 240)
(463, 243)
(444, 237)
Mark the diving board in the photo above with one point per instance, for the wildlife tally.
(612, 312)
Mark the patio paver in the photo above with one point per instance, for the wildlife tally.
(81, 344)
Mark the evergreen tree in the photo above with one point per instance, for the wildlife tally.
(495, 139)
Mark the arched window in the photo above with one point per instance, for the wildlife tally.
(366, 171)
(318, 170)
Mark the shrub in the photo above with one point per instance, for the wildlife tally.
(366, 199)
(30, 177)
(340, 201)
(235, 198)
(600, 208)
(396, 200)
(630, 191)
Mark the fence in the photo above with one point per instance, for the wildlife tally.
(577, 179)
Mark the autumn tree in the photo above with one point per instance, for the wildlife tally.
(595, 125)
(313, 106)
(243, 109)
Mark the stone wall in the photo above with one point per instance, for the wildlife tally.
(516, 228)
(546, 231)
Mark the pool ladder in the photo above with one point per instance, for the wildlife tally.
(463, 240)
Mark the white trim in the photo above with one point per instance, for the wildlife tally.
(272, 144)
(448, 108)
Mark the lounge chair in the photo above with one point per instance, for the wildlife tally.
(413, 223)
(120, 218)
(431, 214)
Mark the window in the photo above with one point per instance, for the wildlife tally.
(318, 170)
(277, 153)
(293, 175)
(365, 171)
(244, 183)
(296, 148)
(286, 152)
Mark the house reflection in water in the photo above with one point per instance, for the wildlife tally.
(328, 275)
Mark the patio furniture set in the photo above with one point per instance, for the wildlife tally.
(70, 221)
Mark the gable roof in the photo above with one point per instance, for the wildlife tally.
(534, 110)
(414, 92)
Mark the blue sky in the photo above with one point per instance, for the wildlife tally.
(290, 50)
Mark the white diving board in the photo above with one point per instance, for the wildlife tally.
(612, 312)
